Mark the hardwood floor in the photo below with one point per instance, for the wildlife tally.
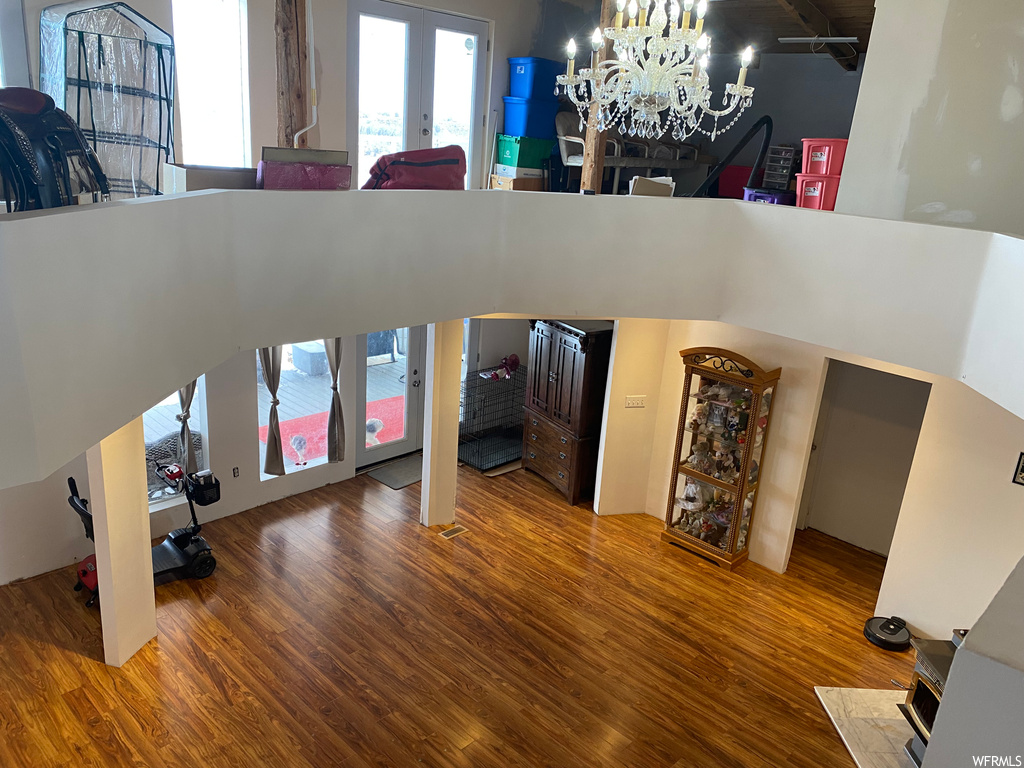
(339, 632)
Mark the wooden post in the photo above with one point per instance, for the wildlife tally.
(292, 64)
(443, 381)
(593, 151)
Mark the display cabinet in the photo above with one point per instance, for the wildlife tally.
(719, 455)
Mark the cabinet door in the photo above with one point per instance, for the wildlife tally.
(538, 397)
(566, 379)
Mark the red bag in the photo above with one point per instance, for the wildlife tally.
(443, 168)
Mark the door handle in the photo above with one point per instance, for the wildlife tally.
(561, 475)
(533, 437)
(561, 455)
(426, 131)
(533, 455)
(564, 441)
(416, 383)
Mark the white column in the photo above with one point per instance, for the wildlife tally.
(443, 380)
(124, 563)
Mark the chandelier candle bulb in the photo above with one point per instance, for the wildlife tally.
(643, 14)
(655, 79)
(687, 8)
(702, 8)
(620, 6)
(570, 49)
(748, 56)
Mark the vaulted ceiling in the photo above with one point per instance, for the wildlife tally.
(738, 23)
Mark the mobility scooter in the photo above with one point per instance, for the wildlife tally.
(183, 553)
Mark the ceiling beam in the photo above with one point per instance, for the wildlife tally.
(817, 23)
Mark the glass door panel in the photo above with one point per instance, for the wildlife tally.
(416, 80)
(454, 68)
(384, 60)
(390, 393)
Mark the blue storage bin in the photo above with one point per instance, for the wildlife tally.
(530, 117)
(533, 78)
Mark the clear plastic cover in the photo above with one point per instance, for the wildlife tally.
(112, 70)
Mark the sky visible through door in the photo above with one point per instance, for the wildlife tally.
(383, 96)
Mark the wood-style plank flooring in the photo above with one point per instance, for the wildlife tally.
(337, 631)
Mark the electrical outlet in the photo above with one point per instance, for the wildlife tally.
(234, 472)
(636, 401)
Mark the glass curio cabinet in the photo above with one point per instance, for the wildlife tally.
(719, 456)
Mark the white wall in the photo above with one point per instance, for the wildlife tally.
(936, 135)
(866, 436)
(500, 338)
(961, 526)
(637, 361)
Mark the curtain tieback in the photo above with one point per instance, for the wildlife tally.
(183, 416)
(274, 402)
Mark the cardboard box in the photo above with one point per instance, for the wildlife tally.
(512, 172)
(188, 178)
(518, 185)
(661, 187)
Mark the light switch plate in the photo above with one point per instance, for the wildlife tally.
(636, 401)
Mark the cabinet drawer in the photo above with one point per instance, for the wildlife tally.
(557, 473)
(540, 431)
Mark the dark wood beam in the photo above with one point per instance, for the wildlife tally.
(292, 64)
(817, 23)
(596, 141)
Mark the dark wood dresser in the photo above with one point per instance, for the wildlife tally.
(566, 378)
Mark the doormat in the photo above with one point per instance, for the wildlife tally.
(401, 473)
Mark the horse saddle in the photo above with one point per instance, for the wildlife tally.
(45, 160)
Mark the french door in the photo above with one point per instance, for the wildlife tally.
(389, 393)
(416, 80)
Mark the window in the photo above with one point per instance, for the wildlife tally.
(211, 51)
(304, 396)
(161, 427)
(13, 47)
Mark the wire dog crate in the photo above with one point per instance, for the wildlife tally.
(491, 419)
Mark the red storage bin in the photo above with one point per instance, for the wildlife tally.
(816, 191)
(824, 157)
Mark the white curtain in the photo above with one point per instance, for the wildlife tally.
(336, 419)
(186, 450)
(270, 361)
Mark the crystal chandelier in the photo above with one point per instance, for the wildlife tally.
(657, 81)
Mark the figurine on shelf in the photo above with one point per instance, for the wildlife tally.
(699, 418)
(700, 460)
(694, 497)
(734, 424)
(754, 472)
(741, 438)
(727, 466)
(748, 508)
